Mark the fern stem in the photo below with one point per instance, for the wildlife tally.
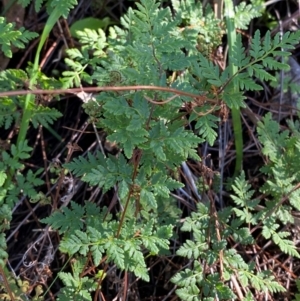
(236, 118)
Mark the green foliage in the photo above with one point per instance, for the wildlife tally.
(10, 37)
(22, 184)
(246, 210)
(75, 286)
(207, 246)
(37, 5)
(106, 173)
(44, 116)
(298, 289)
(67, 219)
(63, 7)
(245, 13)
(206, 125)
(15, 79)
(89, 23)
(262, 58)
(151, 128)
(98, 238)
(203, 24)
(282, 149)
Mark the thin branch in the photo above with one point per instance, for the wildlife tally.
(107, 88)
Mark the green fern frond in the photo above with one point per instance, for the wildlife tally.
(244, 13)
(44, 116)
(9, 37)
(66, 220)
(63, 7)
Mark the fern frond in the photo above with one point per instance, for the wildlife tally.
(66, 220)
(63, 7)
(244, 13)
(206, 125)
(44, 116)
(9, 37)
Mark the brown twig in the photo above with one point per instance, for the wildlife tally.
(108, 88)
(6, 284)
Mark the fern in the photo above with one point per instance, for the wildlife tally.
(80, 166)
(8, 113)
(190, 281)
(243, 199)
(125, 252)
(9, 107)
(282, 148)
(63, 7)
(245, 13)
(270, 229)
(95, 40)
(189, 10)
(37, 5)
(10, 193)
(114, 170)
(10, 37)
(27, 184)
(264, 281)
(156, 46)
(68, 219)
(206, 125)
(76, 287)
(44, 116)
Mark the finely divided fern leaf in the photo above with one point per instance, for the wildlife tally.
(112, 170)
(245, 13)
(206, 126)
(239, 58)
(80, 166)
(262, 58)
(256, 49)
(9, 37)
(67, 219)
(44, 116)
(63, 7)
